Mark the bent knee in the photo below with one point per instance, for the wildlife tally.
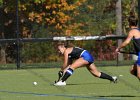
(133, 72)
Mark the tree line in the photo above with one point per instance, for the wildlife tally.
(48, 18)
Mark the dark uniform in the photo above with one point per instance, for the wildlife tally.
(79, 52)
(136, 42)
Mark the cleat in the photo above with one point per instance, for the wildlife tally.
(115, 79)
(60, 83)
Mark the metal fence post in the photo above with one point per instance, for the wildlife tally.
(18, 38)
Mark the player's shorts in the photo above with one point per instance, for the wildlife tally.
(87, 56)
(138, 60)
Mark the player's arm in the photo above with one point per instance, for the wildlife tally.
(65, 63)
(61, 72)
(126, 42)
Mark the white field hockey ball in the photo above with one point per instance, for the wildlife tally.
(35, 83)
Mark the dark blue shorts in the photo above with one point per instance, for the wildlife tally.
(87, 56)
(138, 60)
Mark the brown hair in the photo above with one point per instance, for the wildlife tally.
(60, 43)
(133, 21)
(65, 44)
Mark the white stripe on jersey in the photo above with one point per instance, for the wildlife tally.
(82, 53)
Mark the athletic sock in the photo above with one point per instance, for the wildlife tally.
(67, 74)
(106, 76)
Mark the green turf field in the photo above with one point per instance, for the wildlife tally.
(18, 85)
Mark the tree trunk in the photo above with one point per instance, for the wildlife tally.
(119, 24)
(2, 47)
(2, 56)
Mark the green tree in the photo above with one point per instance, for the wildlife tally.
(47, 18)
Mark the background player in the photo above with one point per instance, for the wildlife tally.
(134, 34)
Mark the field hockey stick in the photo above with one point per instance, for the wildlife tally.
(128, 52)
(60, 74)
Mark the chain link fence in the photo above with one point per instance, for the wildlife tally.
(40, 19)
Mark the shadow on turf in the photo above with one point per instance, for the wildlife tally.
(86, 83)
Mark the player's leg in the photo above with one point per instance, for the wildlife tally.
(93, 70)
(133, 70)
(63, 70)
(138, 71)
(78, 63)
(138, 66)
(61, 73)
